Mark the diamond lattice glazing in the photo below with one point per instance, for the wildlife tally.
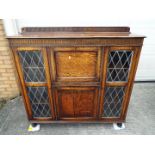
(119, 65)
(113, 101)
(38, 97)
(32, 66)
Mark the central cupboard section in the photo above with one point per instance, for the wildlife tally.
(75, 74)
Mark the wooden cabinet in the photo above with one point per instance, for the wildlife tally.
(76, 74)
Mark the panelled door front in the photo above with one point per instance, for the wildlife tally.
(75, 73)
(76, 102)
(119, 68)
(33, 70)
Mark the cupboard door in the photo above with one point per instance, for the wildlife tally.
(117, 75)
(77, 102)
(33, 71)
(75, 64)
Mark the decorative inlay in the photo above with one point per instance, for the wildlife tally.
(75, 42)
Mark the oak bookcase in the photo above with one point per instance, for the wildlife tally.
(76, 74)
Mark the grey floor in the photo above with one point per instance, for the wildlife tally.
(140, 118)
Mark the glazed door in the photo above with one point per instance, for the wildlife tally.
(118, 75)
(33, 71)
(75, 73)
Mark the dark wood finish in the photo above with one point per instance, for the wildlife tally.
(103, 82)
(74, 102)
(70, 42)
(76, 61)
(76, 32)
(48, 83)
(31, 30)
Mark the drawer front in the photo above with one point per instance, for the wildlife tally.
(76, 102)
(75, 64)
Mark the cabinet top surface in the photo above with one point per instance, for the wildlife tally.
(76, 32)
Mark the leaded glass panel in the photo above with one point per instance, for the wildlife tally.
(113, 101)
(39, 101)
(32, 66)
(119, 65)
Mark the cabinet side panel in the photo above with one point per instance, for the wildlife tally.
(131, 80)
